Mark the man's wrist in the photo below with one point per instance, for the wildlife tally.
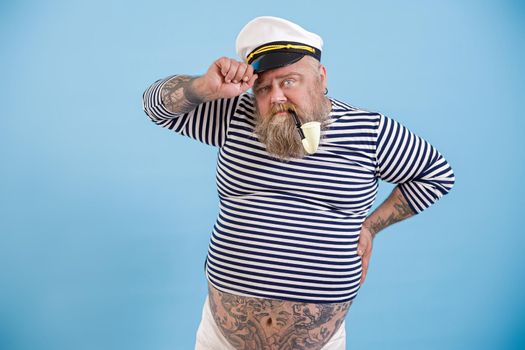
(370, 229)
(178, 94)
(197, 92)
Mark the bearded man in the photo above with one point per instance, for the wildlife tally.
(297, 173)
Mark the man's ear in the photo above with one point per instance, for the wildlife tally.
(324, 78)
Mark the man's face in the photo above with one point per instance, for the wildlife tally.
(300, 85)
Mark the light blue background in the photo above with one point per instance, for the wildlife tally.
(105, 217)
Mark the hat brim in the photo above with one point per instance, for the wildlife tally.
(275, 60)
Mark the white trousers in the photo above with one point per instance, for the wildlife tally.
(209, 336)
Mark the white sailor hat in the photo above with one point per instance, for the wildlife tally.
(271, 42)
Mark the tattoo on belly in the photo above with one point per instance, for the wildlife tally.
(268, 324)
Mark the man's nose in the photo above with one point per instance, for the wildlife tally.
(277, 95)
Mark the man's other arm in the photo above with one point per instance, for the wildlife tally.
(394, 209)
(421, 172)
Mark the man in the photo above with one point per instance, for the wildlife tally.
(297, 173)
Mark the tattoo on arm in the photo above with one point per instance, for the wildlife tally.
(179, 96)
(401, 211)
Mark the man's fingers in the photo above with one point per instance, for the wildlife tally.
(364, 263)
(240, 74)
(236, 72)
(253, 79)
(363, 277)
(234, 65)
(224, 64)
(364, 270)
(362, 247)
(248, 74)
(248, 84)
(360, 251)
(364, 250)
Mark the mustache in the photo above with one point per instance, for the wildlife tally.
(283, 107)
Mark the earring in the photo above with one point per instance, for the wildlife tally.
(325, 91)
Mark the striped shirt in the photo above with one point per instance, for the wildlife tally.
(289, 230)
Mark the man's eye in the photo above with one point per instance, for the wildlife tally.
(288, 82)
(262, 90)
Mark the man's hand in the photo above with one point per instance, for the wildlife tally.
(225, 78)
(393, 210)
(364, 250)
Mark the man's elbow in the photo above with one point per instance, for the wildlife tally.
(445, 182)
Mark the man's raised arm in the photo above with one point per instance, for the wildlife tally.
(224, 79)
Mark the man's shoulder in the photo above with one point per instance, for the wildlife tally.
(347, 113)
(246, 105)
(239, 106)
(248, 99)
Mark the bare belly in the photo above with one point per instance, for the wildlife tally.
(269, 324)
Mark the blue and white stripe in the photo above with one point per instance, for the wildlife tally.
(290, 230)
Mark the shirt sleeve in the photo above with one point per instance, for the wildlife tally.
(404, 158)
(207, 123)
